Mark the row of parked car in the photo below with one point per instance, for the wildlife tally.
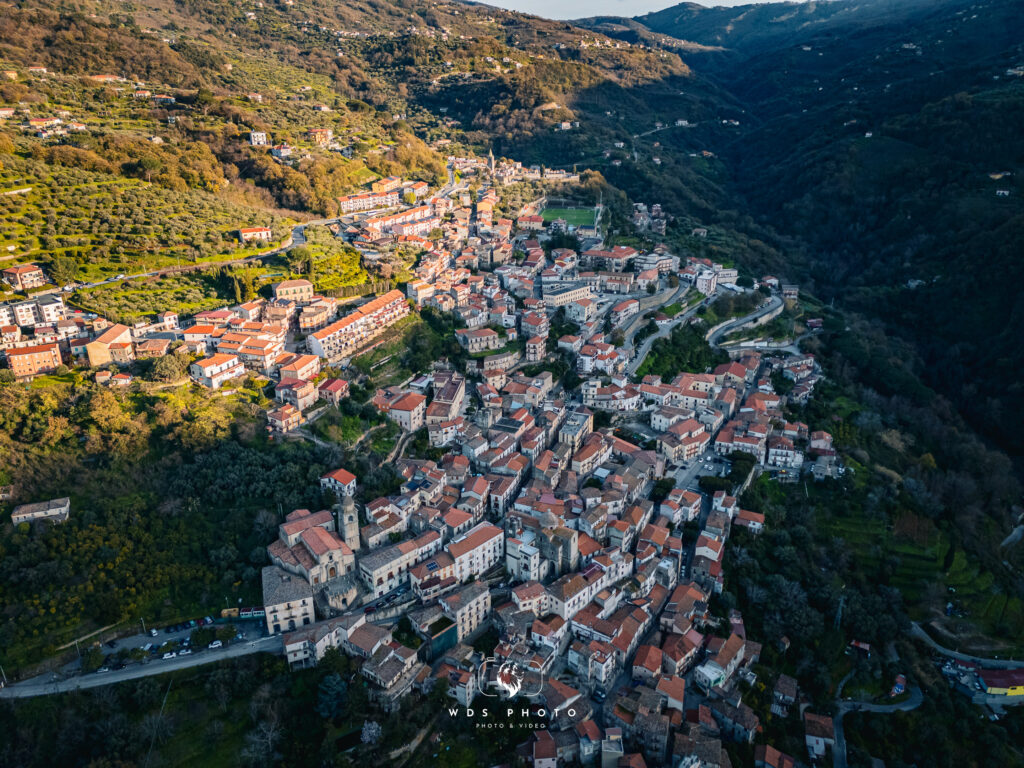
(385, 601)
(186, 650)
(191, 624)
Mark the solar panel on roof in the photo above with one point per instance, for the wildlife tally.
(431, 566)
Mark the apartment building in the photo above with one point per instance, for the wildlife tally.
(468, 608)
(623, 311)
(559, 297)
(385, 569)
(347, 334)
(28, 362)
(48, 308)
(402, 219)
(409, 411)
(299, 367)
(215, 370)
(293, 290)
(478, 339)
(23, 277)
(367, 201)
(480, 549)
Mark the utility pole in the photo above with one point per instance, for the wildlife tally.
(3, 674)
(78, 649)
(144, 630)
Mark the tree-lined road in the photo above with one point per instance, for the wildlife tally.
(47, 685)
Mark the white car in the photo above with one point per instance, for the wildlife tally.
(170, 655)
(185, 652)
(216, 644)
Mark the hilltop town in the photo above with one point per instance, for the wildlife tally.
(424, 383)
(578, 523)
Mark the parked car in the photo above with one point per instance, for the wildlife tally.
(370, 609)
(216, 644)
(102, 669)
(185, 652)
(170, 655)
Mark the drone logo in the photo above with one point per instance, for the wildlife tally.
(507, 679)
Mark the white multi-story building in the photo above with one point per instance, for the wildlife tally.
(45, 309)
(367, 201)
(214, 371)
(522, 560)
(706, 282)
(477, 551)
(347, 334)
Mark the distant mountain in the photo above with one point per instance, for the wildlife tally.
(877, 135)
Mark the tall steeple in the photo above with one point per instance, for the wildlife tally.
(349, 522)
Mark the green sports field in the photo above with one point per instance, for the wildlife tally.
(574, 217)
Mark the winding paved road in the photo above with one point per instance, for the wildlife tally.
(657, 301)
(662, 333)
(839, 749)
(773, 303)
(917, 631)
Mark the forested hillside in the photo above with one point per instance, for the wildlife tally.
(878, 146)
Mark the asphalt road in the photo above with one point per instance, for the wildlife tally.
(839, 749)
(648, 303)
(45, 687)
(287, 245)
(985, 663)
(663, 332)
(773, 303)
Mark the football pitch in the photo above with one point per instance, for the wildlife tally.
(574, 217)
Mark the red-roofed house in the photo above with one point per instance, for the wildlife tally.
(409, 411)
(341, 481)
(333, 390)
(647, 663)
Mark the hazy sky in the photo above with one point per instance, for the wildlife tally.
(578, 9)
